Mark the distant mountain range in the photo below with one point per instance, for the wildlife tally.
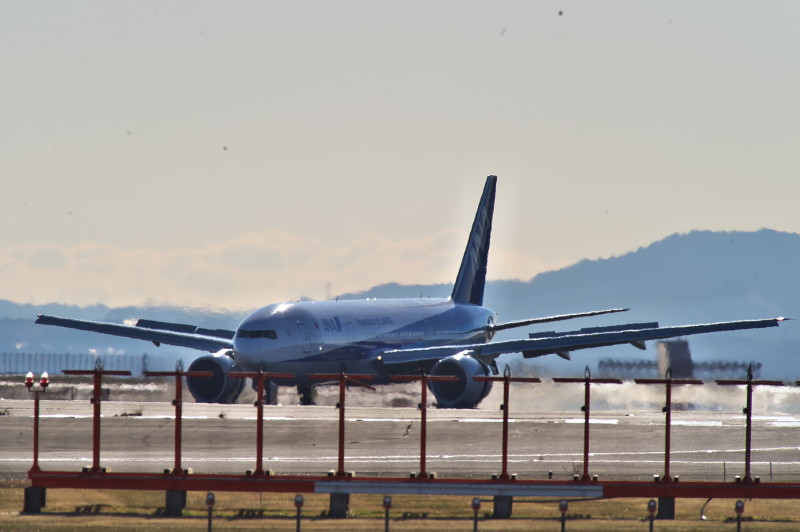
(698, 277)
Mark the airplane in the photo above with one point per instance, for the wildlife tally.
(386, 337)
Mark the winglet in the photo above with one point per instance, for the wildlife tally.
(471, 278)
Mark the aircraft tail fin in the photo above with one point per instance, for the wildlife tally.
(471, 278)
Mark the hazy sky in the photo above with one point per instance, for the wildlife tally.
(232, 154)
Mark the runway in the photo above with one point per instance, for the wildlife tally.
(385, 441)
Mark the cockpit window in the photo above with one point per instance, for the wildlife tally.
(269, 333)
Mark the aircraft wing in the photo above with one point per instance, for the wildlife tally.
(156, 332)
(563, 344)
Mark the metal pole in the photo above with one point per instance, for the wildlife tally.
(35, 467)
(260, 424)
(667, 433)
(340, 470)
(586, 408)
(506, 383)
(749, 426)
(423, 435)
(177, 470)
(96, 398)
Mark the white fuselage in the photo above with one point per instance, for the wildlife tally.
(327, 336)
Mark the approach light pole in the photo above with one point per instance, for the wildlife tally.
(44, 381)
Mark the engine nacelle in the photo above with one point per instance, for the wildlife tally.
(465, 392)
(216, 389)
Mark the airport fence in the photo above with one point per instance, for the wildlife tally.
(16, 363)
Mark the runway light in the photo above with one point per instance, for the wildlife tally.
(739, 507)
(29, 379)
(563, 506)
(476, 505)
(387, 505)
(298, 503)
(210, 504)
(651, 506)
(45, 380)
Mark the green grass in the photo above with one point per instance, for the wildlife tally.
(141, 510)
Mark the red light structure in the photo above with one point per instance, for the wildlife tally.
(260, 378)
(507, 379)
(424, 378)
(344, 379)
(97, 396)
(178, 404)
(748, 411)
(41, 480)
(669, 382)
(44, 381)
(587, 380)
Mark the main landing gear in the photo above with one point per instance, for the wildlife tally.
(308, 394)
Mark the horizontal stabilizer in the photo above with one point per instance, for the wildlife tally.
(548, 319)
(588, 330)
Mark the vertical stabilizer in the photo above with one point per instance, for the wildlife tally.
(472, 273)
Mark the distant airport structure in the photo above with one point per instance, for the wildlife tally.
(16, 363)
(675, 355)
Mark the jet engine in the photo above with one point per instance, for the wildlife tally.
(465, 392)
(216, 389)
